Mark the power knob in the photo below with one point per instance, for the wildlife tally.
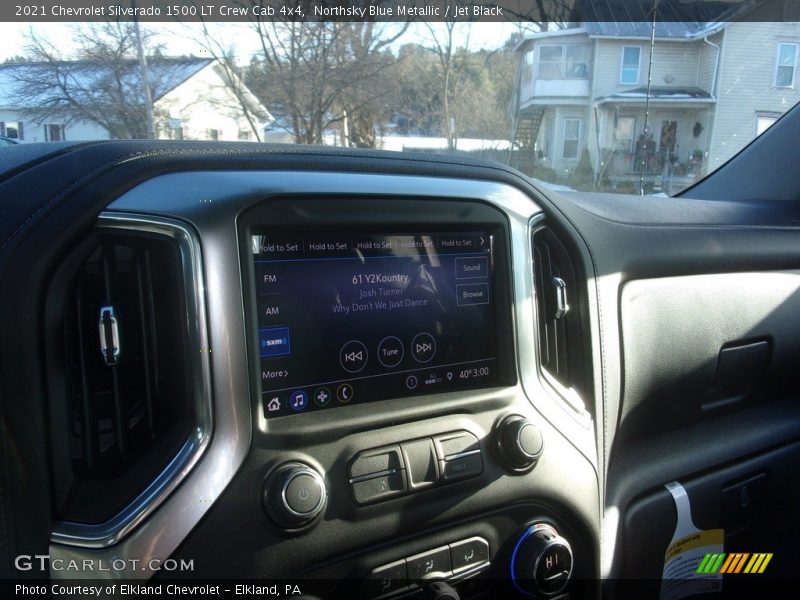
(520, 442)
(294, 495)
(541, 563)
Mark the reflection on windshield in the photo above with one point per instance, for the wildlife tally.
(627, 107)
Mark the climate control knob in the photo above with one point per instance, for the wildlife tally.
(294, 495)
(541, 563)
(520, 442)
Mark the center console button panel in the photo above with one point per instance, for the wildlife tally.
(381, 473)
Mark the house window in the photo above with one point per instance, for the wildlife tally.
(527, 71)
(54, 132)
(786, 65)
(549, 134)
(564, 62)
(212, 134)
(764, 121)
(11, 129)
(623, 133)
(572, 137)
(631, 63)
(244, 135)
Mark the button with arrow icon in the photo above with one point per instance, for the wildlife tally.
(353, 356)
(423, 347)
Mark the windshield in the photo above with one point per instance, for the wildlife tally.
(636, 97)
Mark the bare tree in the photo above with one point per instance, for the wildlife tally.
(361, 53)
(452, 58)
(319, 74)
(101, 86)
(243, 102)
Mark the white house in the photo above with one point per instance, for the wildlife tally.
(715, 84)
(193, 98)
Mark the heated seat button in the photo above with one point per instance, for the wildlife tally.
(386, 580)
(433, 564)
(461, 467)
(469, 554)
(379, 488)
(421, 463)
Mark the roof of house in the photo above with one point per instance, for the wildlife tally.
(675, 19)
(658, 93)
(164, 74)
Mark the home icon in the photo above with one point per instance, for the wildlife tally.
(274, 405)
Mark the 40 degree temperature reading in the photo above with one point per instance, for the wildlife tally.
(474, 372)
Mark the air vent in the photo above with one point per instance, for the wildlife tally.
(129, 405)
(561, 349)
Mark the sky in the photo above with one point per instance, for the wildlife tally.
(177, 38)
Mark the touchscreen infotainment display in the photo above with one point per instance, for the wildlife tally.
(348, 318)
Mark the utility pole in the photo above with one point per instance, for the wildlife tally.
(148, 96)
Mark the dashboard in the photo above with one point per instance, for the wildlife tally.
(384, 377)
(374, 398)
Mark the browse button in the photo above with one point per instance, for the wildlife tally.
(469, 294)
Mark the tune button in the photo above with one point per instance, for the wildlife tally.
(390, 351)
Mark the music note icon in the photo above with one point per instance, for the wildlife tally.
(298, 400)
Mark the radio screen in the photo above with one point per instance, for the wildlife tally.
(350, 318)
